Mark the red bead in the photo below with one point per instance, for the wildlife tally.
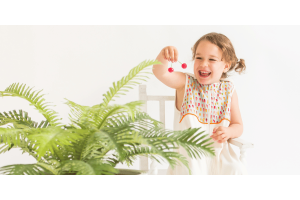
(171, 70)
(183, 65)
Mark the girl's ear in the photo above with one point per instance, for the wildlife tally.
(227, 67)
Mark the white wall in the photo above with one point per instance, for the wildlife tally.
(81, 62)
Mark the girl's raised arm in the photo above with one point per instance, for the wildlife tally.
(175, 80)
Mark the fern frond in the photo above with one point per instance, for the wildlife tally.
(4, 148)
(111, 111)
(194, 142)
(77, 112)
(24, 145)
(91, 167)
(35, 99)
(111, 139)
(141, 121)
(11, 136)
(53, 139)
(52, 166)
(24, 169)
(121, 131)
(112, 161)
(127, 81)
(173, 158)
(87, 148)
(92, 151)
(20, 120)
(98, 116)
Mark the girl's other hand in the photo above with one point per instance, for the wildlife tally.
(170, 53)
(220, 134)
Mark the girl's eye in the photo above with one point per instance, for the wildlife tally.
(209, 59)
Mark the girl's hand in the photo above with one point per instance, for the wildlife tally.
(220, 134)
(170, 53)
(175, 80)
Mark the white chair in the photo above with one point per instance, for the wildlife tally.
(242, 144)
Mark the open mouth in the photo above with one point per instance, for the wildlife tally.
(204, 74)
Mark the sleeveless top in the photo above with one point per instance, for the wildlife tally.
(207, 106)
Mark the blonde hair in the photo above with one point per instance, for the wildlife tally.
(228, 52)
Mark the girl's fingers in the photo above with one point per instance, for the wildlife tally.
(217, 133)
(217, 138)
(175, 55)
(224, 140)
(216, 128)
(166, 52)
(221, 141)
(221, 136)
(171, 51)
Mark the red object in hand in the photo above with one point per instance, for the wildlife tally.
(171, 70)
(183, 65)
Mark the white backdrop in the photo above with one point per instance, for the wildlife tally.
(81, 62)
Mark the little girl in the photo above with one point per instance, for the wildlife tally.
(206, 99)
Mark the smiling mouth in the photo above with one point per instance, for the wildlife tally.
(201, 74)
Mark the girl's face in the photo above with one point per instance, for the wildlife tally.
(208, 59)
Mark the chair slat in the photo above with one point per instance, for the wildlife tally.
(162, 112)
(240, 143)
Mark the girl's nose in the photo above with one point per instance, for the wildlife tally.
(204, 64)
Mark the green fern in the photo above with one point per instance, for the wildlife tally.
(16, 90)
(110, 111)
(98, 138)
(20, 120)
(52, 166)
(173, 158)
(135, 74)
(195, 148)
(4, 148)
(90, 147)
(11, 136)
(194, 142)
(76, 113)
(24, 169)
(91, 167)
(52, 138)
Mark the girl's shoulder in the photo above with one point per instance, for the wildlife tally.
(191, 81)
(228, 81)
(190, 78)
(228, 84)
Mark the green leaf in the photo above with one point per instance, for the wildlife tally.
(91, 167)
(11, 136)
(51, 167)
(127, 80)
(15, 90)
(52, 139)
(24, 169)
(20, 120)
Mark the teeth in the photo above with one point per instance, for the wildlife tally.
(204, 72)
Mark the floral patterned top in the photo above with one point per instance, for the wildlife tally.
(198, 101)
